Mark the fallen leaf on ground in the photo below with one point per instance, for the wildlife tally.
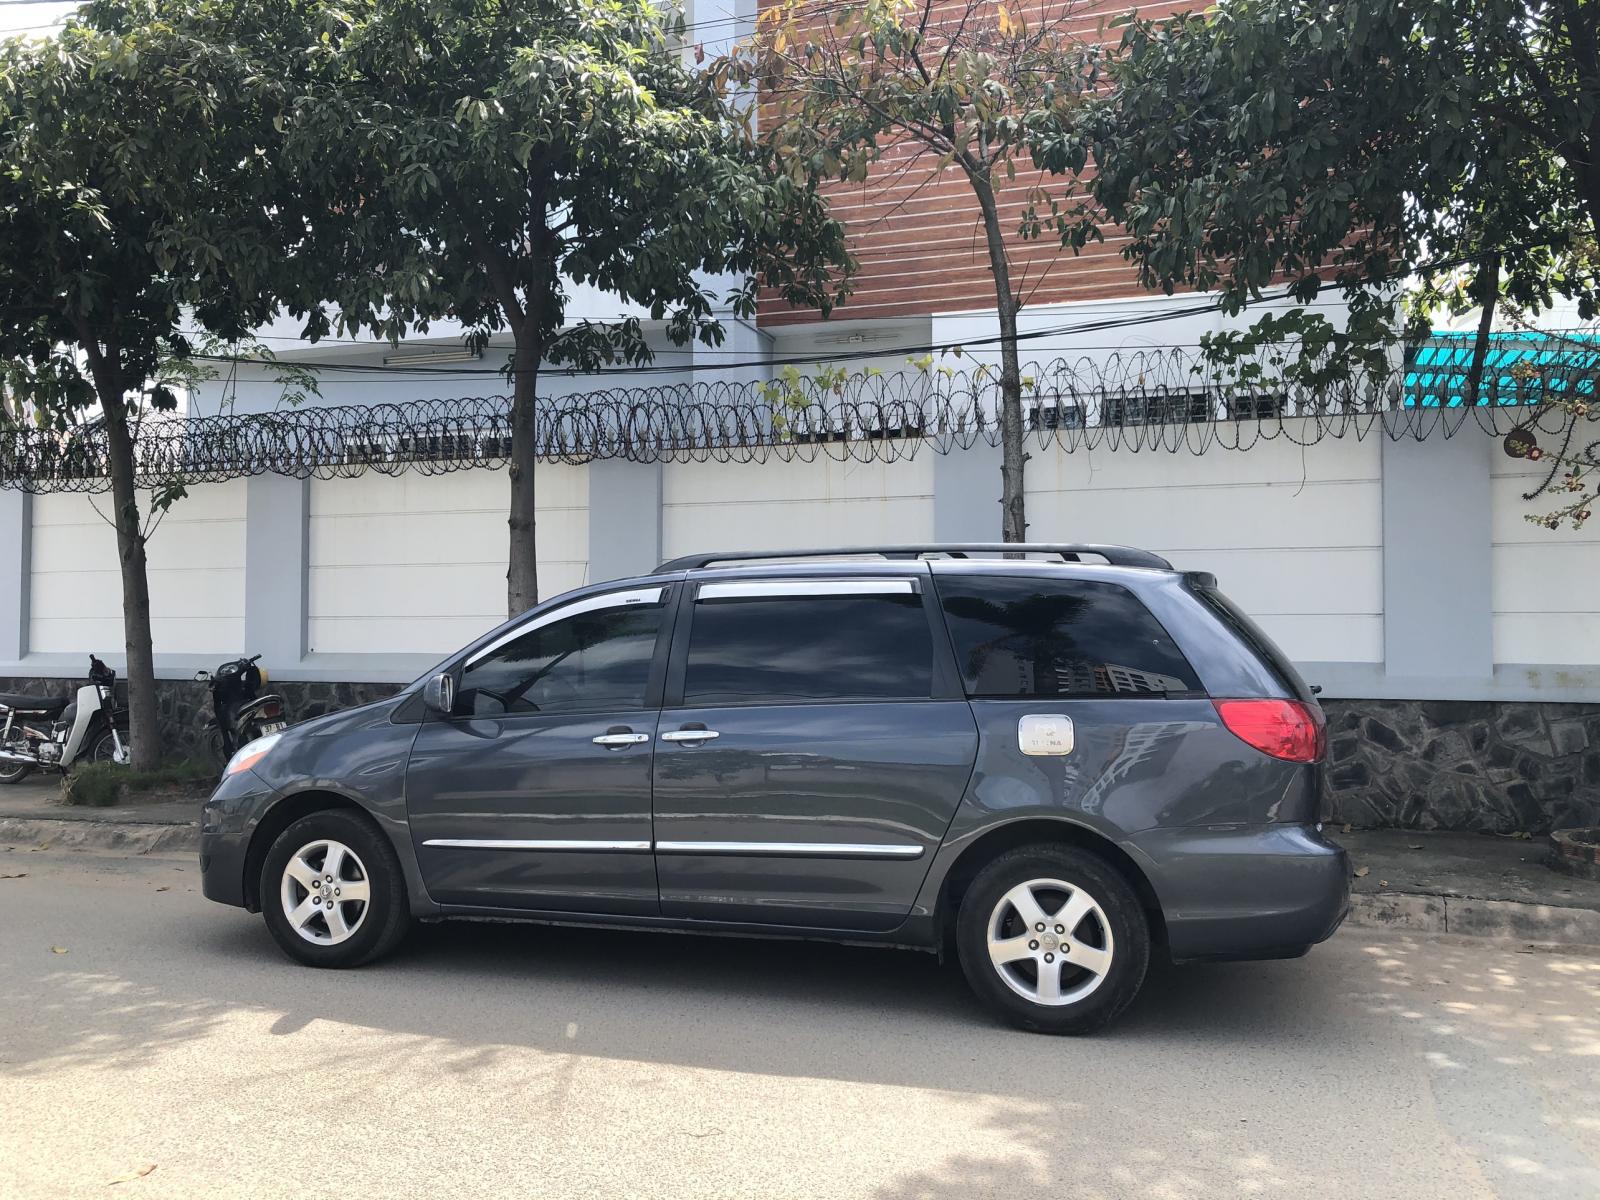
(136, 1173)
(41, 846)
(1361, 872)
(163, 888)
(1383, 883)
(58, 949)
(1415, 846)
(1347, 828)
(18, 875)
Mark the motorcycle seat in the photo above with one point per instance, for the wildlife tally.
(49, 706)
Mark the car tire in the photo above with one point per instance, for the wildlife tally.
(342, 857)
(1098, 949)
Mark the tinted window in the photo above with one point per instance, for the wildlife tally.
(1045, 637)
(1253, 636)
(592, 660)
(786, 648)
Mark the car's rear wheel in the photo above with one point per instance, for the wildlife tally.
(1053, 939)
(333, 892)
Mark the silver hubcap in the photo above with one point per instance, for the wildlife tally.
(1050, 942)
(325, 892)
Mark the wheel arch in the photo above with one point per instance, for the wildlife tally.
(278, 818)
(1031, 831)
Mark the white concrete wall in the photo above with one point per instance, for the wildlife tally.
(416, 563)
(196, 572)
(1542, 580)
(1294, 536)
(776, 505)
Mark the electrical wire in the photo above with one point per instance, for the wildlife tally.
(392, 369)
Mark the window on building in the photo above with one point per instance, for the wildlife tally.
(1024, 637)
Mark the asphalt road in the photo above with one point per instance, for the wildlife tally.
(514, 1061)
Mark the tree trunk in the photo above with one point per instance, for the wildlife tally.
(144, 729)
(1488, 290)
(522, 571)
(1013, 516)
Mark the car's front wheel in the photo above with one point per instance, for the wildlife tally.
(333, 892)
(1053, 939)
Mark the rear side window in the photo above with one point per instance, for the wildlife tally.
(1020, 637)
(1253, 636)
(793, 648)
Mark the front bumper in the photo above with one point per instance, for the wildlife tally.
(1236, 892)
(226, 822)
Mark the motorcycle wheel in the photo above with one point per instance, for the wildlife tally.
(14, 772)
(216, 751)
(105, 747)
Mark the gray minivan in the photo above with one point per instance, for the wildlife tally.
(1052, 766)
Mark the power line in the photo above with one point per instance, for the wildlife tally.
(795, 360)
(1284, 293)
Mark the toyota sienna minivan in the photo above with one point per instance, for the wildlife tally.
(1052, 761)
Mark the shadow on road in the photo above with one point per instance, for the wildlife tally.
(1237, 1057)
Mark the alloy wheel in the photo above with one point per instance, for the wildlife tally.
(1050, 942)
(325, 892)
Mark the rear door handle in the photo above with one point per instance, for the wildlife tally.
(690, 735)
(621, 739)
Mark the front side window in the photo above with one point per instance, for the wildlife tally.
(599, 659)
(778, 649)
(1027, 637)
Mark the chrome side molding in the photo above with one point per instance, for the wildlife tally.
(539, 844)
(794, 849)
(896, 850)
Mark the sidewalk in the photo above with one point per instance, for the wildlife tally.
(30, 817)
(1467, 883)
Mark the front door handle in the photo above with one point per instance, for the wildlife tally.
(690, 735)
(621, 739)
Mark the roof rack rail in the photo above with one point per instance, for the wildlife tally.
(1117, 556)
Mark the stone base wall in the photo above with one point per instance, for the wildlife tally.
(185, 706)
(1477, 766)
(1474, 766)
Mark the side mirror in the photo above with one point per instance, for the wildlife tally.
(439, 694)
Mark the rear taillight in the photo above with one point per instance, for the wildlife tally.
(272, 709)
(1285, 729)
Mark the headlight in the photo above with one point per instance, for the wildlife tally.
(249, 754)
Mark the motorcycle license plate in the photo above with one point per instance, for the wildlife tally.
(274, 726)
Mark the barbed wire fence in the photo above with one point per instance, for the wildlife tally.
(1161, 401)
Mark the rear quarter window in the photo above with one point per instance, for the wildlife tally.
(1034, 637)
(1255, 639)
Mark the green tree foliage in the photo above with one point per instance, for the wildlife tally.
(476, 158)
(964, 85)
(1356, 144)
(135, 203)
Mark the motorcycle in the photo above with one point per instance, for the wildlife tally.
(57, 733)
(241, 712)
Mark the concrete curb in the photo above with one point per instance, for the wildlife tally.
(1468, 917)
(127, 836)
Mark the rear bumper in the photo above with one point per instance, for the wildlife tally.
(1260, 891)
